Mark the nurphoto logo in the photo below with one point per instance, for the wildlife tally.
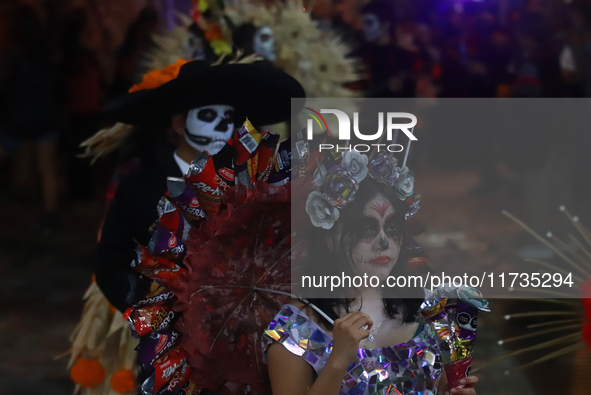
(390, 119)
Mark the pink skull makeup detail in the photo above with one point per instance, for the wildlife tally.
(381, 207)
(378, 244)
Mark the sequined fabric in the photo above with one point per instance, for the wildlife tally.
(409, 368)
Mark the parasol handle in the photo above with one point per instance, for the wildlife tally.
(322, 313)
(412, 131)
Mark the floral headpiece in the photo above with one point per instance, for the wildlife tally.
(338, 185)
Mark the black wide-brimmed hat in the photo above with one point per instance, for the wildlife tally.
(256, 91)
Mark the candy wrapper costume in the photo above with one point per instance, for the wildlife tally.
(221, 268)
(163, 255)
(452, 314)
(413, 367)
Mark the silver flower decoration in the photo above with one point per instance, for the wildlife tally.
(339, 186)
(356, 164)
(385, 168)
(321, 212)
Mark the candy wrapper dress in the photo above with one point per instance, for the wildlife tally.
(413, 367)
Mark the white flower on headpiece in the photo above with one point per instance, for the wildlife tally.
(321, 212)
(356, 164)
(405, 185)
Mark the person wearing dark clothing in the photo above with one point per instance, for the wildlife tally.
(28, 102)
(138, 41)
(390, 66)
(391, 70)
(536, 66)
(540, 160)
(192, 106)
(130, 215)
(83, 82)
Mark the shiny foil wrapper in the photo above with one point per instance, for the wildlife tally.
(443, 329)
(435, 314)
(198, 164)
(433, 309)
(155, 345)
(182, 196)
(465, 322)
(454, 319)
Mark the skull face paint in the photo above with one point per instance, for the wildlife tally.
(209, 128)
(193, 47)
(379, 241)
(372, 28)
(264, 43)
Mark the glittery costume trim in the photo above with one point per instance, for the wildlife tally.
(413, 367)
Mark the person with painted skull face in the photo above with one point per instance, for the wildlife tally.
(208, 128)
(195, 46)
(252, 40)
(202, 107)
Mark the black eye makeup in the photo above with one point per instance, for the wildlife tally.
(391, 230)
(229, 116)
(207, 115)
(370, 227)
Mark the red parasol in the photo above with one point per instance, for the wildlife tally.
(239, 275)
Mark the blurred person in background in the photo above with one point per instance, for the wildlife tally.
(575, 64)
(540, 161)
(575, 57)
(29, 108)
(429, 65)
(136, 44)
(488, 58)
(83, 82)
(454, 55)
(535, 67)
(389, 57)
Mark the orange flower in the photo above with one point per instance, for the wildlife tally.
(87, 372)
(123, 381)
(214, 33)
(155, 78)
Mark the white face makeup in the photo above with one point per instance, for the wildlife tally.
(377, 250)
(209, 128)
(264, 43)
(372, 28)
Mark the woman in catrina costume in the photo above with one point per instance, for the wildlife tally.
(362, 339)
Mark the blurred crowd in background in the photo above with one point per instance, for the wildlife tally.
(60, 60)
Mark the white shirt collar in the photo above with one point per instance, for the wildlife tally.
(184, 166)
